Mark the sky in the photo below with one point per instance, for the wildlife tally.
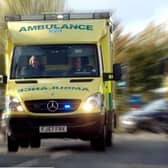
(134, 15)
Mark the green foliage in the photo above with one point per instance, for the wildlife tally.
(13, 7)
(142, 53)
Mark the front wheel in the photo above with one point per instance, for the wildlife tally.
(12, 144)
(35, 143)
(109, 138)
(99, 143)
(24, 143)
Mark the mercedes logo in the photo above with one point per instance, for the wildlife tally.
(52, 106)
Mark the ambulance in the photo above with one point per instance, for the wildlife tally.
(58, 103)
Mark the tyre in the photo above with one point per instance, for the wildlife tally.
(131, 130)
(12, 144)
(109, 139)
(24, 143)
(99, 143)
(155, 126)
(35, 143)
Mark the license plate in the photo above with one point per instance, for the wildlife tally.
(52, 129)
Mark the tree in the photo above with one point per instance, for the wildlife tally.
(142, 52)
(10, 7)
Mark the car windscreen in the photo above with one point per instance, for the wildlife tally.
(155, 106)
(63, 60)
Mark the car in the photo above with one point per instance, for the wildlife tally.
(151, 117)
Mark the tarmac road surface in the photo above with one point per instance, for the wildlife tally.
(129, 151)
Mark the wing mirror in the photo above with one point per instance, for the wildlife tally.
(3, 79)
(116, 75)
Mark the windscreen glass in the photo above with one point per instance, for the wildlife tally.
(52, 61)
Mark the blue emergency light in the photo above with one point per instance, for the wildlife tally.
(67, 106)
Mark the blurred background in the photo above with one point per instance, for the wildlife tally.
(140, 43)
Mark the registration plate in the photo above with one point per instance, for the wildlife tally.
(52, 129)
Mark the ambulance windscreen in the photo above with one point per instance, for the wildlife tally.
(55, 61)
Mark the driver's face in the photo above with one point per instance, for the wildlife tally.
(77, 62)
(34, 61)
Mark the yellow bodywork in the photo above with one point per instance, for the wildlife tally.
(53, 89)
(77, 31)
(56, 32)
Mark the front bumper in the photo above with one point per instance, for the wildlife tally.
(84, 126)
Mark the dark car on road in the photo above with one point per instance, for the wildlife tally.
(152, 117)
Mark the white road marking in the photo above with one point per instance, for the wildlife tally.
(58, 155)
(28, 163)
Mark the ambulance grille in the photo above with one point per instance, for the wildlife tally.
(53, 105)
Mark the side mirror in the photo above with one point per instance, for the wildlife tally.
(3, 79)
(117, 73)
(107, 76)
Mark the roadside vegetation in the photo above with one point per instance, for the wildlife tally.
(141, 53)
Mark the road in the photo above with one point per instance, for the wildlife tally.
(129, 151)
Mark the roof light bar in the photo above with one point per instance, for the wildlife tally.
(59, 16)
(32, 17)
(81, 16)
(102, 15)
(12, 18)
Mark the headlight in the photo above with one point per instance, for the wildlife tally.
(127, 121)
(13, 104)
(94, 101)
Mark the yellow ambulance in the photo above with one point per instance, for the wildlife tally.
(60, 76)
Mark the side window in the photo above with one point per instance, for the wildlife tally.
(101, 53)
